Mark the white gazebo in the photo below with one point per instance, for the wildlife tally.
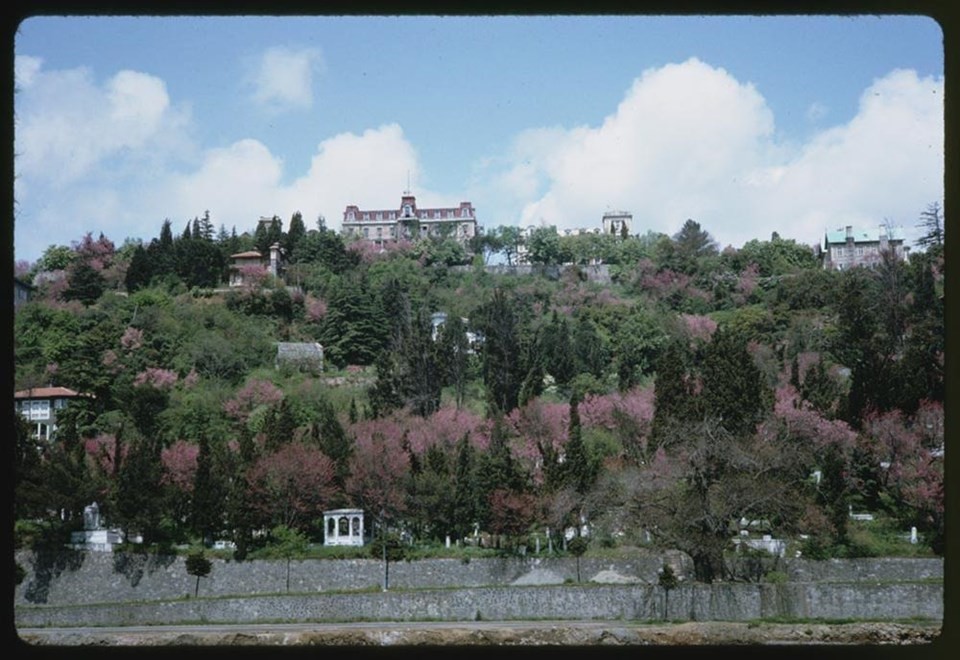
(343, 527)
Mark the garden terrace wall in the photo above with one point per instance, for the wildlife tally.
(697, 602)
(76, 578)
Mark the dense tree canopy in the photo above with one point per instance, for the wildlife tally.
(694, 390)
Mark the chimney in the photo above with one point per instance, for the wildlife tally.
(275, 259)
(849, 235)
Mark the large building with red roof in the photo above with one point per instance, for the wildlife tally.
(410, 222)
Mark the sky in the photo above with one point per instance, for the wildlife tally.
(745, 124)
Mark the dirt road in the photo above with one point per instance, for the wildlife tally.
(579, 633)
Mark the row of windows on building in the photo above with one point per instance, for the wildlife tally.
(855, 251)
(38, 409)
(391, 232)
(446, 214)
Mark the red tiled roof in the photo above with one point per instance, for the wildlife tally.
(46, 393)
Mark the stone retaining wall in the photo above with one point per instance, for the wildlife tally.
(71, 578)
(75, 578)
(718, 602)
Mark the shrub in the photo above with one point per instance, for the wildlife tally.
(776, 577)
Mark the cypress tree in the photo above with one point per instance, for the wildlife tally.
(733, 387)
(85, 284)
(673, 398)
(578, 468)
(502, 366)
(465, 497)
(590, 354)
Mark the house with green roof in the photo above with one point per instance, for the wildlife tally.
(846, 248)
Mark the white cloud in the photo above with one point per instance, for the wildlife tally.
(687, 141)
(85, 151)
(237, 184)
(25, 69)
(67, 124)
(282, 78)
(244, 181)
(886, 164)
(690, 141)
(816, 112)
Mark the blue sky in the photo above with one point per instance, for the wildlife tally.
(746, 124)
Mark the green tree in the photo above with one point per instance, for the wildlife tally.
(30, 492)
(84, 283)
(638, 341)
(777, 256)
(577, 547)
(589, 349)
(689, 246)
(453, 352)
(352, 332)
(502, 368)
(56, 257)
(497, 470)
(466, 504)
(279, 425)
(431, 494)
(855, 345)
(332, 439)
(199, 566)
(932, 224)
(294, 236)
(579, 470)
(674, 400)
(267, 234)
(140, 271)
(199, 263)
(556, 350)
(422, 378)
(137, 505)
(287, 543)
(667, 580)
(543, 246)
(733, 387)
(208, 497)
(510, 241)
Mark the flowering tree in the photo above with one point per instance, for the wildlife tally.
(180, 465)
(445, 427)
(104, 455)
(379, 468)
(697, 327)
(541, 429)
(254, 394)
(511, 514)
(292, 485)
(132, 339)
(909, 471)
(315, 308)
(97, 253)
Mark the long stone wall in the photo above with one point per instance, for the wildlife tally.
(73, 578)
(718, 602)
(79, 588)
